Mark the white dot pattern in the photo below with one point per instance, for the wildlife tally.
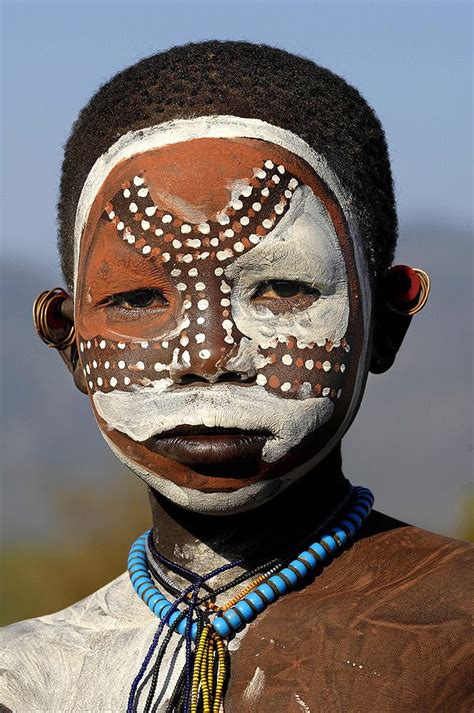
(197, 254)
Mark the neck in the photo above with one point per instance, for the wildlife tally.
(203, 542)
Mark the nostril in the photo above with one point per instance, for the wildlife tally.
(220, 377)
(234, 377)
(186, 379)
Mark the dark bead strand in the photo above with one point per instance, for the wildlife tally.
(158, 662)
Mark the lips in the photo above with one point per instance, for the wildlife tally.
(202, 445)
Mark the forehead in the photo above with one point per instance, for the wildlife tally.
(195, 179)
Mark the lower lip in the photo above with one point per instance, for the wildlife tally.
(209, 449)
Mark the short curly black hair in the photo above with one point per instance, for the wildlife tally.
(251, 81)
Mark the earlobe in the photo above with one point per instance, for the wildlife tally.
(404, 293)
(53, 315)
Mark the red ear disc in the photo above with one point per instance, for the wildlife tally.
(406, 289)
(53, 329)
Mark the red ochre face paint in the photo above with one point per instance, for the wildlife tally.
(217, 289)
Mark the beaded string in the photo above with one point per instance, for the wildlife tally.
(236, 613)
(168, 612)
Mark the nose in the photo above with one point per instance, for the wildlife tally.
(215, 362)
(210, 348)
(212, 357)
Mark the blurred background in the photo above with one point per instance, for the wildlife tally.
(69, 509)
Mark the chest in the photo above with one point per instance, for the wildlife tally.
(327, 655)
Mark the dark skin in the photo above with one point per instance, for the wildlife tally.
(382, 628)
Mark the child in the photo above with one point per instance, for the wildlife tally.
(227, 226)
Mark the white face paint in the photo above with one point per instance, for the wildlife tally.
(302, 247)
(152, 410)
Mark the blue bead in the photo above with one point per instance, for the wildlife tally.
(221, 627)
(300, 567)
(137, 579)
(279, 583)
(135, 559)
(361, 510)
(340, 534)
(160, 606)
(232, 618)
(289, 575)
(165, 610)
(138, 568)
(152, 598)
(319, 549)
(330, 542)
(137, 550)
(256, 601)
(181, 628)
(310, 559)
(349, 526)
(142, 587)
(267, 592)
(356, 517)
(245, 610)
(173, 618)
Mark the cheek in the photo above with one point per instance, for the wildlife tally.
(293, 370)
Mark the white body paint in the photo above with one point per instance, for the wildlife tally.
(85, 657)
(318, 261)
(255, 687)
(143, 413)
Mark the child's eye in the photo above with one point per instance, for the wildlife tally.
(284, 290)
(144, 298)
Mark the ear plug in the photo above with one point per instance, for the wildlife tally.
(49, 320)
(406, 289)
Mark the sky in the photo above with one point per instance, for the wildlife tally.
(411, 60)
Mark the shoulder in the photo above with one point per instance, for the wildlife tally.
(36, 652)
(408, 576)
(437, 568)
(388, 623)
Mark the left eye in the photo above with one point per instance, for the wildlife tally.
(284, 289)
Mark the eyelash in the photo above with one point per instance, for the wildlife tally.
(148, 294)
(297, 287)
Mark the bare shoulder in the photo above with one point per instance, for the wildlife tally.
(416, 561)
(385, 626)
(57, 647)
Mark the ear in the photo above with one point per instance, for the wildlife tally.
(388, 334)
(403, 292)
(70, 355)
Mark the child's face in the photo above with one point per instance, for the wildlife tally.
(217, 288)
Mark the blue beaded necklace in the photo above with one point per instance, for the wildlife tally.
(230, 619)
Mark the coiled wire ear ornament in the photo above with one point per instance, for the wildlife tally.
(49, 320)
(407, 289)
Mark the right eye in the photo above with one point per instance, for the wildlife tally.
(146, 298)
